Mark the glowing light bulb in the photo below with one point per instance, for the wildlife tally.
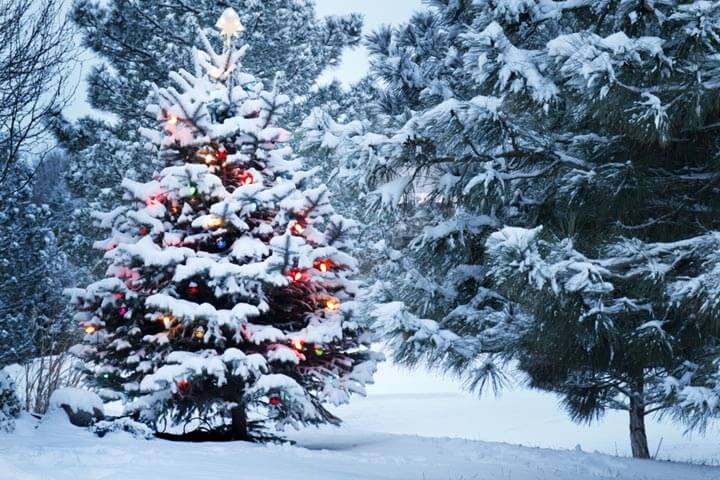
(298, 344)
(173, 119)
(323, 266)
(90, 329)
(296, 275)
(332, 305)
(246, 178)
(215, 222)
(167, 320)
(297, 228)
(199, 333)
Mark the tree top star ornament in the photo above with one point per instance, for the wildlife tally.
(230, 25)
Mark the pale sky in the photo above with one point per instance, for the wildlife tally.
(355, 62)
(376, 12)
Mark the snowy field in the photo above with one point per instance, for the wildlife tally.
(413, 426)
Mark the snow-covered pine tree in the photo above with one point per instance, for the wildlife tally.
(591, 127)
(139, 41)
(228, 295)
(33, 271)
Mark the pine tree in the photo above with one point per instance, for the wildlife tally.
(228, 295)
(139, 41)
(590, 128)
(33, 271)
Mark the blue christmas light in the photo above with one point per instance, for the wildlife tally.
(221, 243)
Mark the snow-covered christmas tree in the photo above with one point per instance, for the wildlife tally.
(228, 304)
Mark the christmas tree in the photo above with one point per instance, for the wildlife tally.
(228, 305)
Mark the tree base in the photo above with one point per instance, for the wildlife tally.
(256, 434)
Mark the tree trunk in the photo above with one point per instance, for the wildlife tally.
(239, 425)
(638, 436)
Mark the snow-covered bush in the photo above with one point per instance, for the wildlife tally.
(9, 403)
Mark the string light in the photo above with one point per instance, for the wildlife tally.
(214, 222)
(118, 295)
(275, 400)
(221, 155)
(167, 320)
(332, 305)
(144, 230)
(209, 159)
(319, 350)
(193, 189)
(296, 275)
(122, 311)
(297, 228)
(199, 333)
(298, 344)
(173, 119)
(246, 178)
(183, 386)
(193, 289)
(323, 265)
(221, 243)
(90, 329)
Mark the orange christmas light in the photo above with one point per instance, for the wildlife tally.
(298, 344)
(332, 305)
(90, 329)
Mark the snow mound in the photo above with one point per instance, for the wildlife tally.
(77, 399)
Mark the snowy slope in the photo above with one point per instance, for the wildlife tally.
(415, 402)
(57, 451)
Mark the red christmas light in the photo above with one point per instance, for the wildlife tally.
(122, 311)
(155, 199)
(118, 296)
(297, 228)
(297, 275)
(246, 178)
(275, 400)
(144, 230)
(323, 265)
(183, 385)
(193, 290)
(221, 155)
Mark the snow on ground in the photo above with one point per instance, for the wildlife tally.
(419, 403)
(413, 426)
(58, 451)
